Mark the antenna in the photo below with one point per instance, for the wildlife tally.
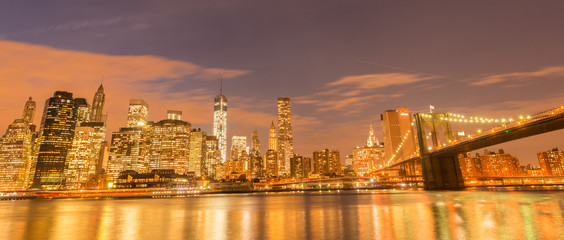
(221, 84)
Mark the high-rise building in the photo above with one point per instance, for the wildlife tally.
(299, 166)
(238, 145)
(138, 113)
(98, 138)
(97, 113)
(326, 162)
(220, 122)
(213, 159)
(255, 165)
(368, 158)
(396, 125)
(82, 111)
(169, 145)
(552, 162)
(255, 144)
(127, 152)
(16, 155)
(80, 158)
(29, 111)
(270, 163)
(197, 152)
(56, 136)
(285, 147)
(272, 139)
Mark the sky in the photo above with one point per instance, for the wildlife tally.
(341, 62)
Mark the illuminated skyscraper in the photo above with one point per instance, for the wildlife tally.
(238, 145)
(327, 162)
(197, 152)
(29, 111)
(270, 163)
(127, 152)
(220, 122)
(80, 158)
(395, 126)
(169, 145)
(82, 111)
(552, 162)
(368, 158)
(212, 160)
(97, 113)
(272, 141)
(138, 113)
(56, 136)
(15, 156)
(255, 145)
(285, 147)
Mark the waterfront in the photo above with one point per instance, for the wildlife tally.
(372, 214)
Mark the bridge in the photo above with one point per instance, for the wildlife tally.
(437, 155)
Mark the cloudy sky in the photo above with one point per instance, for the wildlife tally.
(342, 62)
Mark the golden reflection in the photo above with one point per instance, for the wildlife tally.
(311, 215)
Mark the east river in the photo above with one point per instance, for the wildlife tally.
(372, 214)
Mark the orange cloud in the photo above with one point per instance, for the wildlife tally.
(38, 71)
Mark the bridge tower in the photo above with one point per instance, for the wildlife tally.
(439, 172)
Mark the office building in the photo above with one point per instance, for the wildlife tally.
(220, 122)
(137, 113)
(285, 147)
(552, 162)
(56, 136)
(396, 125)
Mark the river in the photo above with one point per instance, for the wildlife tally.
(372, 214)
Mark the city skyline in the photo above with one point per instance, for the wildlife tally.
(344, 87)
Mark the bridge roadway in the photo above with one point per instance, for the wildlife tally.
(441, 169)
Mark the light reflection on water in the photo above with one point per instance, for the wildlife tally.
(309, 215)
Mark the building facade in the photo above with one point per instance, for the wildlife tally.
(552, 162)
(55, 140)
(285, 141)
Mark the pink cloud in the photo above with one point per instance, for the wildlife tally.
(557, 71)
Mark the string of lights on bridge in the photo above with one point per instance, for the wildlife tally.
(400, 146)
(453, 117)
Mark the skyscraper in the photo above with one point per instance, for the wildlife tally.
(97, 113)
(270, 163)
(15, 156)
(212, 160)
(197, 152)
(138, 113)
(82, 111)
(395, 127)
(272, 141)
(127, 152)
(220, 122)
(285, 147)
(327, 162)
(368, 158)
(56, 136)
(80, 158)
(238, 145)
(29, 111)
(169, 145)
(255, 145)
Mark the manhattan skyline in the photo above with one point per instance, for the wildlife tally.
(503, 59)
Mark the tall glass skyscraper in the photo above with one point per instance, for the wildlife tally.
(56, 136)
(285, 140)
(220, 123)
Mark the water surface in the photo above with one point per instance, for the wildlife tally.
(307, 215)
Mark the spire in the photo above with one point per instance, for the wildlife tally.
(221, 84)
(272, 124)
(101, 88)
(372, 141)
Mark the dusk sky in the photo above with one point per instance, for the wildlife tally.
(341, 62)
